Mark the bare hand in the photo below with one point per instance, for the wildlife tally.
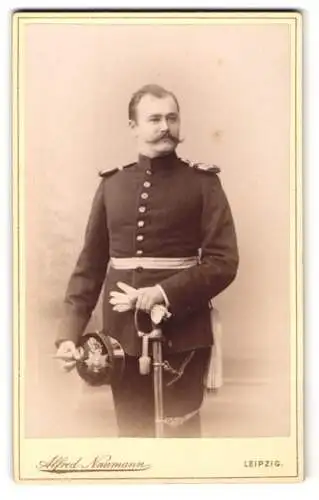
(147, 298)
(68, 355)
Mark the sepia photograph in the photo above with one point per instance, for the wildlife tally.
(157, 225)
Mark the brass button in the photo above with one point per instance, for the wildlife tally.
(139, 252)
(147, 184)
(140, 223)
(170, 343)
(148, 172)
(142, 209)
(139, 269)
(140, 237)
(144, 196)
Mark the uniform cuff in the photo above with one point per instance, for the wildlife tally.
(71, 327)
(164, 295)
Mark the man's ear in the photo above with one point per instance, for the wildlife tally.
(132, 124)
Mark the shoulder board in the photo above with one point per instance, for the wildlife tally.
(202, 167)
(109, 172)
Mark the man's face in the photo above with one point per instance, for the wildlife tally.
(157, 125)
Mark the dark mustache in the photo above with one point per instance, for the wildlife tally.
(167, 135)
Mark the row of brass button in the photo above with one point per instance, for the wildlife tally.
(142, 210)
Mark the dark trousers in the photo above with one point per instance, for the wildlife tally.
(183, 392)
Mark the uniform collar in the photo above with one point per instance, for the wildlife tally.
(160, 162)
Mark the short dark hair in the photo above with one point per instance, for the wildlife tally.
(151, 89)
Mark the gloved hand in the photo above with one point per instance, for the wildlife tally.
(129, 298)
(124, 301)
(68, 354)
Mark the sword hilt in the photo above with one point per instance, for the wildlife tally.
(154, 334)
(145, 360)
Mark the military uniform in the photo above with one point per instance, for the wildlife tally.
(162, 210)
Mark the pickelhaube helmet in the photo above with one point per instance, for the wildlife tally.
(101, 359)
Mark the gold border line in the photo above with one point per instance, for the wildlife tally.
(299, 248)
(15, 212)
(151, 15)
(19, 20)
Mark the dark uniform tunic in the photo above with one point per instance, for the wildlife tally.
(161, 207)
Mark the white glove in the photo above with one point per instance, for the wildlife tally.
(123, 301)
(126, 301)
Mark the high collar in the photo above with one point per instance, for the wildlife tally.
(159, 162)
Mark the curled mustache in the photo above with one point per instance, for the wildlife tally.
(167, 135)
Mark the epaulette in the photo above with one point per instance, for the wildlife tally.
(202, 167)
(109, 172)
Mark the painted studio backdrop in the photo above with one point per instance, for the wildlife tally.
(233, 84)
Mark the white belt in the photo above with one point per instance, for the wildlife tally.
(153, 262)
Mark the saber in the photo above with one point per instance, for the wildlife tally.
(158, 385)
(156, 337)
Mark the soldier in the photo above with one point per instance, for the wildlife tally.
(163, 227)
